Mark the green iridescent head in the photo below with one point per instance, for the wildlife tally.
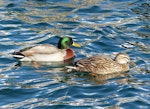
(65, 42)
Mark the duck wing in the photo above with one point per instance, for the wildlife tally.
(94, 64)
(37, 49)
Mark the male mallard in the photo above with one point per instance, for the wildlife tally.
(102, 64)
(48, 52)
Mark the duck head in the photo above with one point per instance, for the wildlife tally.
(65, 42)
(122, 58)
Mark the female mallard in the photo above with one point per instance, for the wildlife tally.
(102, 64)
(47, 52)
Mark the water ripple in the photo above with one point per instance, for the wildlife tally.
(101, 27)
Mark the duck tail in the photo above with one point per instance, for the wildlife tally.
(70, 68)
(18, 55)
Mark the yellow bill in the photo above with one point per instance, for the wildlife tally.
(76, 44)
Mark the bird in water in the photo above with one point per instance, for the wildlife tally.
(102, 64)
(48, 52)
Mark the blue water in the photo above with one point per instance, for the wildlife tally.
(101, 27)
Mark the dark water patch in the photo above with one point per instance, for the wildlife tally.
(144, 30)
(64, 9)
(9, 95)
(42, 25)
(6, 48)
(11, 5)
(129, 92)
(73, 23)
(93, 9)
(54, 106)
(144, 7)
(14, 21)
(136, 104)
(14, 7)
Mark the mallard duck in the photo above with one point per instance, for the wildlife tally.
(48, 52)
(102, 64)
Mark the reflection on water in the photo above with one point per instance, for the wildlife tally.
(101, 79)
(39, 64)
(101, 26)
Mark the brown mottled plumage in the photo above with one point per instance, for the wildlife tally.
(102, 64)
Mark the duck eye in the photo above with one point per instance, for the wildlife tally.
(67, 42)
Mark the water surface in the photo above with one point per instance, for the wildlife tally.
(101, 27)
